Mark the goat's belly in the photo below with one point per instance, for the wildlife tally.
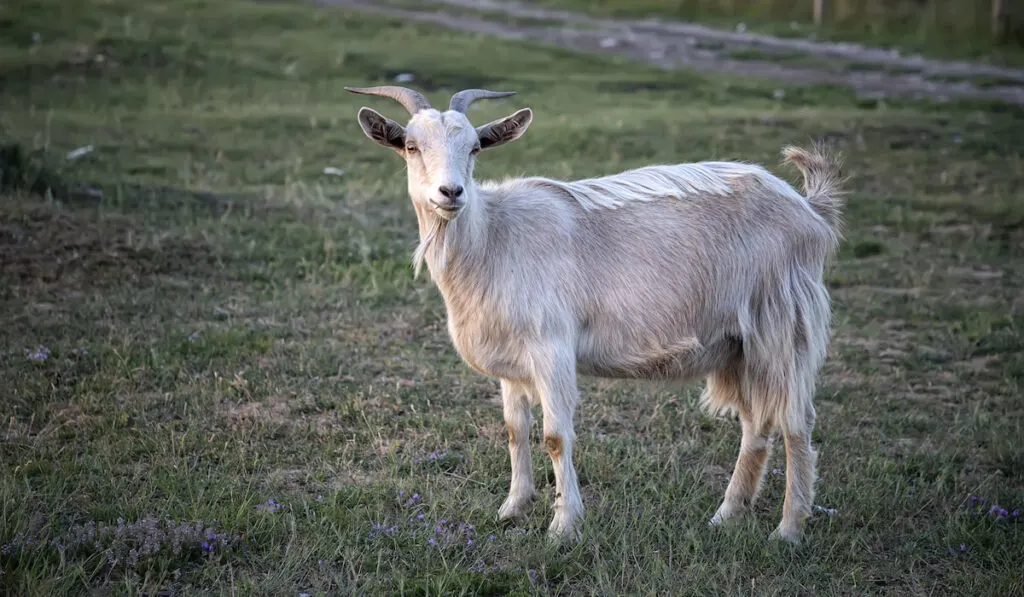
(496, 367)
(495, 359)
(684, 360)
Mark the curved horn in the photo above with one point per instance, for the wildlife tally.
(462, 100)
(412, 101)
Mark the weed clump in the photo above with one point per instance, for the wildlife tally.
(24, 171)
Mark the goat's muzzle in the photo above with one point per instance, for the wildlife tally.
(449, 201)
(448, 207)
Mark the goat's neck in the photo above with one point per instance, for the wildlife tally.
(455, 243)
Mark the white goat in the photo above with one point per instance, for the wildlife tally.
(711, 269)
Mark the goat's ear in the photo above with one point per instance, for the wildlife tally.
(381, 130)
(506, 129)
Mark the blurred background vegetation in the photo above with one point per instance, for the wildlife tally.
(944, 27)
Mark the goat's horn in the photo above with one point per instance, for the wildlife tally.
(413, 101)
(462, 100)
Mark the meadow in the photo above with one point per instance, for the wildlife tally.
(219, 375)
(951, 28)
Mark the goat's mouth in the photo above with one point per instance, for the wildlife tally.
(448, 213)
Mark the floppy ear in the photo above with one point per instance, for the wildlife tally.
(506, 129)
(381, 130)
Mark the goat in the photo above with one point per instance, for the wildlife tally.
(677, 272)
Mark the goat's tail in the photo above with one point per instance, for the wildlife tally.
(822, 170)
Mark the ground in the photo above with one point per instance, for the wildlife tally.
(220, 376)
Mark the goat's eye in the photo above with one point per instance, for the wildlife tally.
(475, 150)
(410, 148)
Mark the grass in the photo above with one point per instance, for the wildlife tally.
(958, 29)
(223, 348)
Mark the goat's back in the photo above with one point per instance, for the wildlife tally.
(670, 285)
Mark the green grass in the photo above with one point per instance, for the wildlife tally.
(940, 28)
(228, 325)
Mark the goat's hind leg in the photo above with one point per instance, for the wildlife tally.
(516, 400)
(725, 390)
(801, 461)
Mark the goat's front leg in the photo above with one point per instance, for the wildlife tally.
(556, 384)
(516, 400)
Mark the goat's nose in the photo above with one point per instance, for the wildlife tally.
(451, 191)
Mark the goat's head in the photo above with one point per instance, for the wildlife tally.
(439, 147)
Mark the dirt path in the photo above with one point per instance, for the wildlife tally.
(871, 72)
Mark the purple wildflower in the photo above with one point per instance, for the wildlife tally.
(421, 517)
(1015, 513)
(997, 511)
(533, 576)
(320, 498)
(490, 537)
(432, 541)
(963, 548)
(125, 543)
(432, 457)
(272, 506)
(40, 354)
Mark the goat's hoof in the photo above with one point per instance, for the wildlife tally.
(785, 535)
(562, 530)
(514, 509)
(724, 515)
(563, 537)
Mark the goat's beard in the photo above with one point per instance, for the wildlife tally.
(434, 240)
